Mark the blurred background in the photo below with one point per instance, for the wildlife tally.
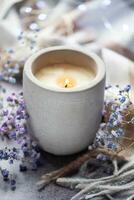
(29, 25)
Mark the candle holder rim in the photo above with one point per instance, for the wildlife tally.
(101, 73)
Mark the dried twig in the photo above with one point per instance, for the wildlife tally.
(122, 180)
(74, 166)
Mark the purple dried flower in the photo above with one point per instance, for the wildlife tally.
(127, 88)
(13, 125)
(12, 135)
(11, 161)
(101, 157)
(13, 184)
(10, 99)
(120, 132)
(5, 174)
(122, 99)
(5, 112)
(111, 146)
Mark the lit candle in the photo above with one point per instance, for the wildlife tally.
(64, 101)
(64, 76)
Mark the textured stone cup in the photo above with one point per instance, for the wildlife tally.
(64, 121)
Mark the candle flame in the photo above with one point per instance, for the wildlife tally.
(66, 82)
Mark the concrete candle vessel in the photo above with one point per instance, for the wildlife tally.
(64, 121)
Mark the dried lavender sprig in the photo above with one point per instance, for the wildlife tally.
(13, 125)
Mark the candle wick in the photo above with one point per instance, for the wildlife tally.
(66, 83)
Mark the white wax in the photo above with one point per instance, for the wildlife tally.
(49, 75)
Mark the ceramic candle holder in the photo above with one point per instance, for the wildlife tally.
(64, 121)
